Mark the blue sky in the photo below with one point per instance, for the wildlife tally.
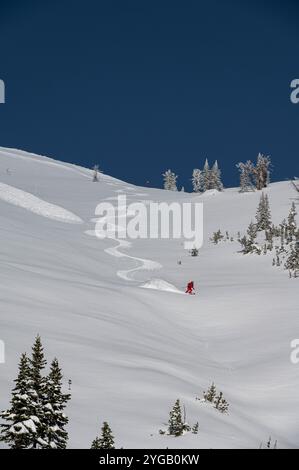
(142, 86)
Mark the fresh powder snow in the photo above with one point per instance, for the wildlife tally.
(108, 310)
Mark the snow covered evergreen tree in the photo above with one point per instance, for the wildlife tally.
(217, 237)
(197, 180)
(95, 443)
(37, 364)
(246, 174)
(96, 172)
(106, 441)
(220, 403)
(215, 177)
(252, 231)
(262, 171)
(170, 180)
(195, 428)
(263, 215)
(210, 394)
(292, 263)
(194, 251)
(20, 428)
(292, 225)
(176, 425)
(206, 176)
(55, 435)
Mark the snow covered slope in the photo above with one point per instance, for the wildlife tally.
(130, 351)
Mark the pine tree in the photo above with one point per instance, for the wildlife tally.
(19, 431)
(106, 441)
(55, 434)
(215, 177)
(210, 394)
(170, 180)
(292, 262)
(220, 403)
(176, 425)
(292, 225)
(263, 216)
(246, 174)
(252, 231)
(194, 251)
(195, 428)
(37, 364)
(206, 176)
(96, 443)
(262, 171)
(96, 172)
(197, 180)
(217, 237)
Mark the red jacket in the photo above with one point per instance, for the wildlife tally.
(190, 287)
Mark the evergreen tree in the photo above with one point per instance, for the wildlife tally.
(206, 176)
(292, 262)
(292, 225)
(246, 174)
(252, 231)
(220, 403)
(262, 171)
(170, 180)
(215, 177)
(197, 180)
(176, 424)
(217, 237)
(55, 434)
(195, 428)
(19, 431)
(210, 394)
(194, 251)
(263, 216)
(37, 364)
(106, 441)
(96, 443)
(96, 172)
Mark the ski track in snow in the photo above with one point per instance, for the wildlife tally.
(141, 264)
(38, 206)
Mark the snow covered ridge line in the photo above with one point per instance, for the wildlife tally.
(151, 220)
(28, 201)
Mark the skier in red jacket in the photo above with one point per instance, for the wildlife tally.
(190, 288)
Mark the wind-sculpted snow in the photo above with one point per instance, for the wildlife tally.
(28, 201)
(160, 284)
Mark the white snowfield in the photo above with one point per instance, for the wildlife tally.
(110, 312)
(36, 205)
